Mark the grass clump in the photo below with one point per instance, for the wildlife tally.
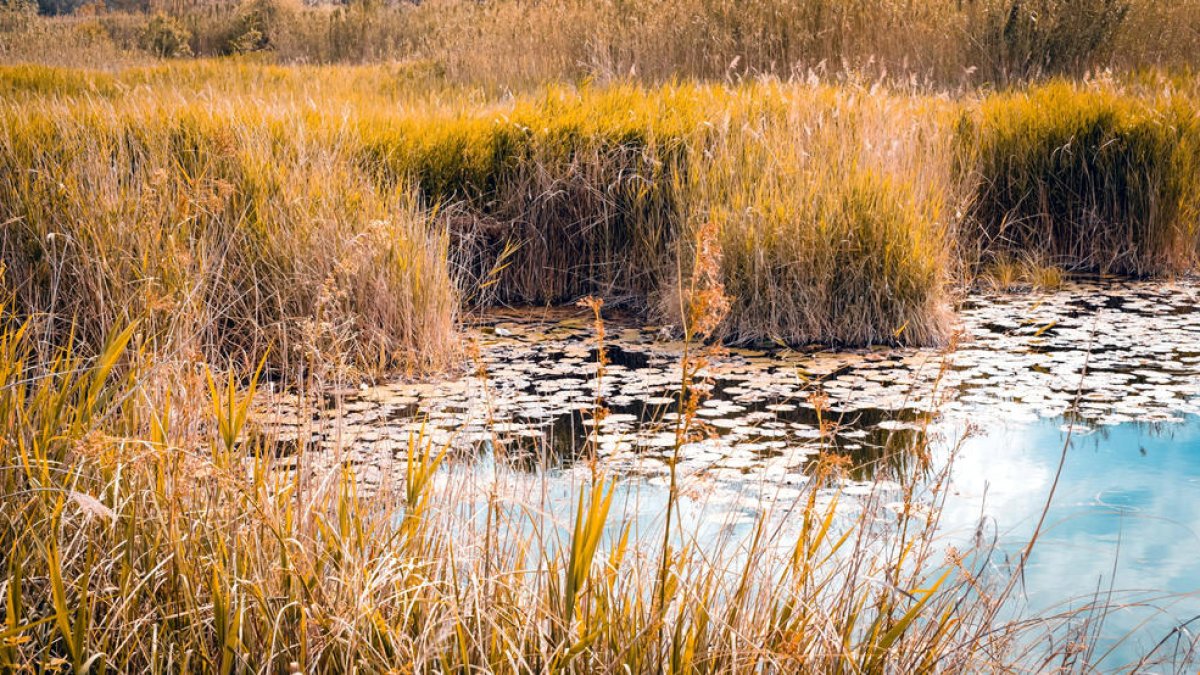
(839, 210)
(824, 236)
(1085, 177)
(566, 194)
(228, 234)
(827, 235)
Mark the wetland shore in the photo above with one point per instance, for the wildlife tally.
(395, 354)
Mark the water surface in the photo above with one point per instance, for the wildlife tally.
(1116, 363)
(1123, 528)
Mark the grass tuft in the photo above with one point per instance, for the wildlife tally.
(229, 235)
(1085, 178)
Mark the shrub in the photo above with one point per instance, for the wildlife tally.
(1086, 178)
(258, 26)
(166, 37)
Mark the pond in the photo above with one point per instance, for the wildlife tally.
(1115, 364)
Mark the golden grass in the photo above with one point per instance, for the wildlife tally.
(837, 213)
(227, 233)
(544, 199)
(314, 221)
(840, 209)
(510, 44)
(1086, 177)
(555, 196)
(141, 534)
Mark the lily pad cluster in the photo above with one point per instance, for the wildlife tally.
(1093, 352)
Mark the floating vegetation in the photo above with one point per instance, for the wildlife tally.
(1108, 352)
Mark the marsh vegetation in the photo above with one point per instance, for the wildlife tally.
(293, 375)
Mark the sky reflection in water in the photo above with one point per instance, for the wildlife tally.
(1126, 514)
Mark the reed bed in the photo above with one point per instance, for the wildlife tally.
(221, 206)
(521, 45)
(316, 225)
(558, 196)
(536, 200)
(229, 235)
(837, 212)
(1086, 178)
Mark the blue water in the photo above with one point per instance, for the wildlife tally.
(1122, 529)
(1125, 518)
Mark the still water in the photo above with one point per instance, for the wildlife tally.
(1123, 527)
(1116, 363)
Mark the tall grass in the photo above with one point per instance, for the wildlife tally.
(833, 228)
(228, 234)
(159, 221)
(837, 214)
(1016, 40)
(1087, 178)
(543, 199)
(514, 44)
(556, 196)
(259, 218)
